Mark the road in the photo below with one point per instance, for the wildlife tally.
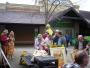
(18, 49)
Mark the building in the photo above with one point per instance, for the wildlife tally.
(25, 20)
(71, 21)
(86, 16)
(29, 20)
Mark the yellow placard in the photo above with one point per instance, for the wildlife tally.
(59, 53)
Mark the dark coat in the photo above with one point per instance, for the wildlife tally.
(85, 42)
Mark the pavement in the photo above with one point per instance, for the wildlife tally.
(30, 49)
(16, 57)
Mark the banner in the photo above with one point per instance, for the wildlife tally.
(59, 53)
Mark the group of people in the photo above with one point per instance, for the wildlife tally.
(81, 56)
(43, 41)
(7, 42)
(81, 45)
(59, 39)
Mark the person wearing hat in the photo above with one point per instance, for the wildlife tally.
(58, 39)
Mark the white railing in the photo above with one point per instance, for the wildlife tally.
(4, 58)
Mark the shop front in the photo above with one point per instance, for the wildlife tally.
(69, 21)
(63, 26)
(24, 34)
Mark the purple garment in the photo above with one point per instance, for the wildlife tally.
(38, 43)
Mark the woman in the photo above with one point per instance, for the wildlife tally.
(47, 39)
(11, 41)
(4, 39)
(39, 41)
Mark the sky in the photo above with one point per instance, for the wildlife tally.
(84, 4)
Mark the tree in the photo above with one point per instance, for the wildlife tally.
(53, 4)
(48, 12)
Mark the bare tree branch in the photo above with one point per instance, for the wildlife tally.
(54, 9)
(52, 5)
(44, 2)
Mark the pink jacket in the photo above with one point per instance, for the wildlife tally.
(4, 38)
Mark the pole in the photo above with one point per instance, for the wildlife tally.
(46, 11)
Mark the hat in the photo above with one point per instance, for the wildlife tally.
(57, 30)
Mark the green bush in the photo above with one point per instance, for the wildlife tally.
(87, 38)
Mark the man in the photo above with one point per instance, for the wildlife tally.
(58, 38)
(81, 43)
(68, 38)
